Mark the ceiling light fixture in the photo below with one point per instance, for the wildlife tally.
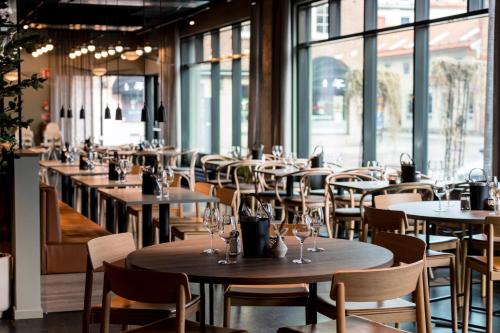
(119, 48)
(34, 54)
(111, 51)
(160, 112)
(97, 55)
(139, 52)
(72, 55)
(50, 46)
(91, 47)
(84, 50)
(78, 53)
(191, 23)
(148, 49)
(26, 27)
(104, 53)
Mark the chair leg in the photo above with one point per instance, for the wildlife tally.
(227, 311)
(427, 302)
(467, 291)
(483, 279)
(489, 306)
(453, 289)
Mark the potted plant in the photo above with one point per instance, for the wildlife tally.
(12, 41)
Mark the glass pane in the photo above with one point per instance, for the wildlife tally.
(457, 93)
(130, 92)
(207, 46)
(226, 42)
(336, 100)
(392, 13)
(351, 16)
(200, 96)
(440, 8)
(394, 96)
(319, 21)
(245, 81)
(226, 106)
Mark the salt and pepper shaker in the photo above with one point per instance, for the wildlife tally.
(234, 243)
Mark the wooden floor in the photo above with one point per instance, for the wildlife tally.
(254, 319)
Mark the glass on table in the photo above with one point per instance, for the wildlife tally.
(167, 180)
(226, 232)
(301, 229)
(211, 222)
(449, 187)
(277, 151)
(317, 222)
(494, 194)
(439, 191)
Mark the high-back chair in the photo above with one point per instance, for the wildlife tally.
(487, 264)
(406, 250)
(154, 288)
(396, 221)
(213, 176)
(244, 177)
(125, 311)
(188, 172)
(375, 285)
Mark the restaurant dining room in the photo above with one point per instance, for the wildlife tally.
(233, 166)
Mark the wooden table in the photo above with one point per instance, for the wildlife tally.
(53, 163)
(363, 185)
(88, 185)
(66, 171)
(124, 197)
(185, 256)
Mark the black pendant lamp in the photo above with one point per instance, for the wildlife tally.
(62, 112)
(118, 114)
(70, 113)
(144, 113)
(160, 113)
(107, 113)
(82, 113)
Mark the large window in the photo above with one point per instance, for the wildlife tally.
(376, 83)
(214, 89)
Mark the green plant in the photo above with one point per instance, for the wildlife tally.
(11, 42)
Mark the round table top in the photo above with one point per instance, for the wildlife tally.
(186, 256)
(426, 210)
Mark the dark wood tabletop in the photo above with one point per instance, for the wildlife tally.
(100, 181)
(426, 210)
(74, 170)
(134, 196)
(186, 256)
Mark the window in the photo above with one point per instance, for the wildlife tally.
(319, 15)
(440, 8)
(215, 89)
(129, 91)
(457, 79)
(351, 16)
(395, 12)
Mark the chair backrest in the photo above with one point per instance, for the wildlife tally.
(377, 285)
(147, 287)
(385, 200)
(247, 167)
(52, 132)
(385, 220)
(203, 188)
(109, 248)
(406, 249)
(207, 158)
(227, 197)
(492, 231)
(264, 180)
(344, 177)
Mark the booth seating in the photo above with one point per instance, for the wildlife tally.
(64, 237)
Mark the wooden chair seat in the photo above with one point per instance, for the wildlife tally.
(346, 197)
(440, 243)
(268, 291)
(326, 304)
(169, 325)
(184, 232)
(480, 263)
(353, 325)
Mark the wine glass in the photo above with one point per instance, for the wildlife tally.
(154, 143)
(449, 186)
(265, 210)
(290, 159)
(301, 229)
(211, 222)
(440, 191)
(493, 184)
(236, 151)
(159, 181)
(226, 231)
(167, 179)
(317, 222)
(277, 151)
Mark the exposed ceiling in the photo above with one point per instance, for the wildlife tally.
(105, 15)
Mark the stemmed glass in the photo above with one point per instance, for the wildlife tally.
(265, 210)
(211, 222)
(277, 151)
(440, 191)
(167, 179)
(236, 151)
(122, 168)
(449, 186)
(154, 143)
(290, 159)
(226, 228)
(317, 222)
(494, 193)
(301, 229)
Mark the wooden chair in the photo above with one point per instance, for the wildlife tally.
(396, 221)
(487, 264)
(305, 200)
(153, 288)
(188, 172)
(227, 200)
(373, 285)
(122, 310)
(218, 179)
(244, 178)
(406, 250)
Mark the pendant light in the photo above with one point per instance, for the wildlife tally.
(62, 112)
(160, 113)
(118, 114)
(70, 112)
(82, 109)
(107, 111)
(144, 113)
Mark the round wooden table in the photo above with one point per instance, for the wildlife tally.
(185, 256)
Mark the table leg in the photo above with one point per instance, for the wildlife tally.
(71, 191)
(313, 296)
(211, 303)
(164, 222)
(147, 225)
(110, 216)
(64, 189)
(84, 200)
(289, 193)
(121, 216)
(202, 305)
(93, 204)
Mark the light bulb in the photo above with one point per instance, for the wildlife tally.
(34, 54)
(97, 55)
(104, 53)
(72, 55)
(84, 50)
(91, 48)
(111, 52)
(123, 57)
(49, 46)
(26, 27)
(148, 49)
(78, 53)
(139, 52)
(39, 52)
(119, 48)
(191, 22)
(44, 49)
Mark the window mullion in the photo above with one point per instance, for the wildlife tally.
(334, 18)
(215, 100)
(236, 86)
